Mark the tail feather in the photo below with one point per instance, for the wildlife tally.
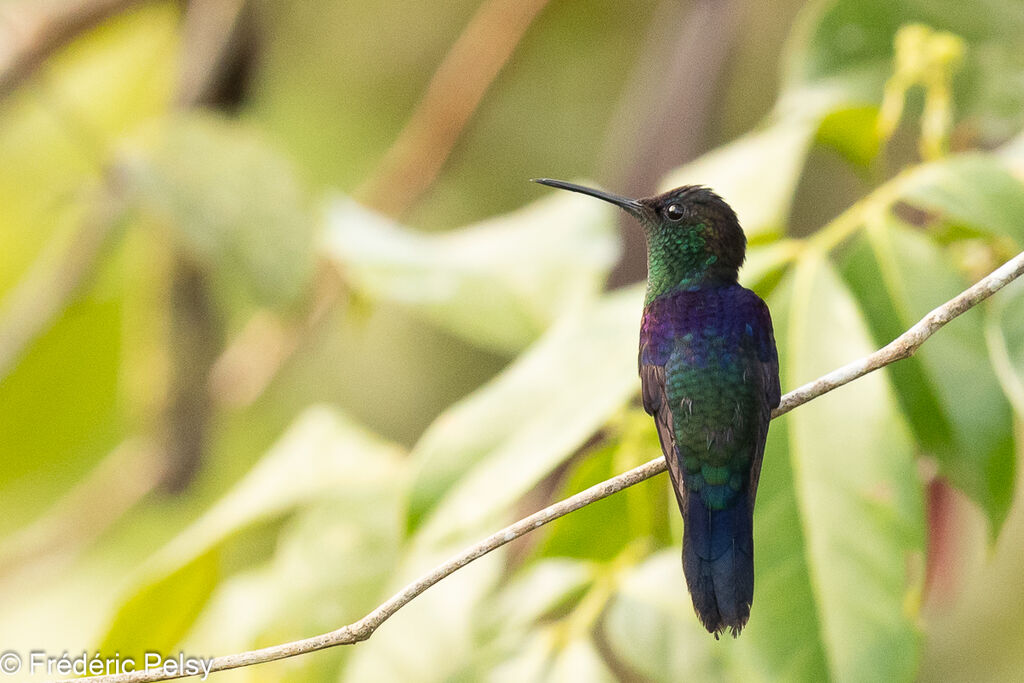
(718, 561)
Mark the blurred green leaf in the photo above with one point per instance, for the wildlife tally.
(948, 390)
(321, 454)
(651, 627)
(332, 562)
(757, 173)
(57, 130)
(537, 590)
(853, 132)
(579, 660)
(970, 190)
(602, 530)
(235, 203)
(547, 658)
(498, 283)
(888, 315)
(1004, 332)
(517, 625)
(529, 662)
(766, 263)
(834, 44)
(844, 50)
(177, 597)
(860, 499)
(784, 639)
(60, 403)
(485, 452)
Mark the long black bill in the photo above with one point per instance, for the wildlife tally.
(631, 205)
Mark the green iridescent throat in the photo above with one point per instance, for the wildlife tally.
(680, 259)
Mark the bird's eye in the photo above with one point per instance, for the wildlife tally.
(675, 212)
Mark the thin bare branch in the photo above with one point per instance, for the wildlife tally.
(901, 347)
(910, 341)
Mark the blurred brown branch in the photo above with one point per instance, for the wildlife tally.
(412, 163)
(257, 353)
(208, 36)
(44, 28)
(902, 347)
(408, 168)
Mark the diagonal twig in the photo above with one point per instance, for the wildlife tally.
(33, 41)
(409, 167)
(902, 347)
(458, 86)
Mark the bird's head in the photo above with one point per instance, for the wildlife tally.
(693, 236)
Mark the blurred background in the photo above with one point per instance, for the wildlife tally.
(283, 325)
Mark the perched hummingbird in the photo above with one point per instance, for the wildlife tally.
(709, 373)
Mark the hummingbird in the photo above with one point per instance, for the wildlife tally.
(709, 373)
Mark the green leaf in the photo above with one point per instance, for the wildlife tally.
(766, 263)
(482, 454)
(1004, 332)
(546, 657)
(56, 130)
(535, 591)
(517, 626)
(322, 454)
(757, 173)
(853, 132)
(602, 530)
(498, 283)
(599, 531)
(650, 625)
(579, 660)
(157, 616)
(234, 202)
(61, 404)
(948, 390)
(343, 548)
(833, 41)
(860, 499)
(845, 50)
(975, 191)
(530, 661)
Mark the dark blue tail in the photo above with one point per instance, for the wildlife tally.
(718, 561)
